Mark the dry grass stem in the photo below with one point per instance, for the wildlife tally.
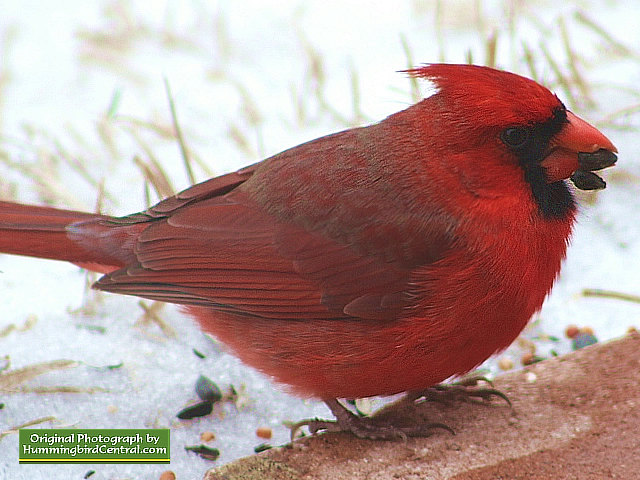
(618, 47)
(106, 133)
(44, 176)
(77, 162)
(250, 112)
(609, 121)
(7, 40)
(151, 315)
(249, 108)
(206, 170)
(61, 389)
(315, 81)
(356, 97)
(164, 131)
(438, 20)
(28, 324)
(529, 59)
(155, 176)
(178, 133)
(490, 49)
(9, 380)
(16, 429)
(299, 104)
(223, 42)
(572, 63)
(596, 292)
(242, 142)
(92, 298)
(562, 80)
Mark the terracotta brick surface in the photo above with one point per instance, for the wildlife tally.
(573, 417)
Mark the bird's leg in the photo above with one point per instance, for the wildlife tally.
(364, 427)
(466, 389)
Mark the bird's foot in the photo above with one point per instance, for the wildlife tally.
(467, 389)
(365, 427)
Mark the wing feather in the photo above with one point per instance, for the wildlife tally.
(229, 254)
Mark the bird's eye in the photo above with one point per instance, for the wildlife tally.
(515, 137)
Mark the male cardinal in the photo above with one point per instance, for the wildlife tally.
(377, 260)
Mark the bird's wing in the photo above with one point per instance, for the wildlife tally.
(229, 254)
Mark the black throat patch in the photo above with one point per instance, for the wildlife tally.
(554, 200)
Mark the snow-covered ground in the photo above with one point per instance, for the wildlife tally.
(82, 95)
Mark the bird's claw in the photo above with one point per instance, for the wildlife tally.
(369, 428)
(366, 429)
(314, 425)
(465, 390)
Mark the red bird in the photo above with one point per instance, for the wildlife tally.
(377, 260)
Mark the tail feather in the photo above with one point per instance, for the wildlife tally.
(44, 232)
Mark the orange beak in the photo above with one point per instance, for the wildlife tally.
(579, 148)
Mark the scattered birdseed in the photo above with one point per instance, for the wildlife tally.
(199, 354)
(530, 359)
(167, 475)
(264, 432)
(208, 453)
(200, 409)
(262, 447)
(583, 340)
(571, 331)
(505, 363)
(207, 390)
